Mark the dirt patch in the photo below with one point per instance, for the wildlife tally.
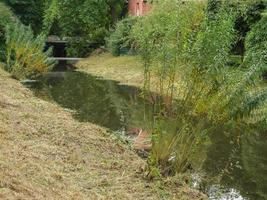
(46, 154)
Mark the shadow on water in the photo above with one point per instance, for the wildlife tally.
(235, 168)
(95, 100)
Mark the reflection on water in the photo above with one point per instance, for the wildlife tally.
(235, 168)
(242, 167)
(95, 100)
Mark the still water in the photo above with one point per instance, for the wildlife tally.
(235, 168)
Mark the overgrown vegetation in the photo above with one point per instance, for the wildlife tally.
(120, 38)
(22, 52)
(191, 53)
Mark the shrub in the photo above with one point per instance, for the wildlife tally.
(20, 49)
(25, 57)
(164, 39)
(120, 38)
(213, 8)
(201, 93)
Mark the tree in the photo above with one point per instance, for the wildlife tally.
(30, 12)
(117, 9)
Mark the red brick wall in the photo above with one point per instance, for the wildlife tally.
(138, 7)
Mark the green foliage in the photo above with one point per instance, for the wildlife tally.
(117, 9)
(25, 57)
(214, 41)
(164, 39)
(213, 8)
(30, 12)
(6, 18)
(248, 12)
(256, 42)
(189, 54)
(121, 38)
(85, 23)
(256, 54)
(51, 15)
(22, 52)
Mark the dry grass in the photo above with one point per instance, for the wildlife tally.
(46, 154)
(125, 69)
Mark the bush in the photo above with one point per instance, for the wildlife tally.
(120, 38)
(20, 49)
(189, 52)
(164, 39)
(25, 57)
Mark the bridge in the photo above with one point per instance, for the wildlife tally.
(60, 55)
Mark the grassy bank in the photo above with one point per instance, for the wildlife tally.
(125, 69)
(46, 154)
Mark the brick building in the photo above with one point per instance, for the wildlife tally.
(138, 7)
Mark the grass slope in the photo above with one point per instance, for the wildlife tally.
(46, 154)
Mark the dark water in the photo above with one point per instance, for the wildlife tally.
(240, 166)
(235, 168)
(103, 102)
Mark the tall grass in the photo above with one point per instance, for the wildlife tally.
(190, 52)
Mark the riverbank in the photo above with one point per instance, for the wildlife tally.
(46, 154)
(126, 69)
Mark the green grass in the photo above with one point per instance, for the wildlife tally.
(126, 69)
